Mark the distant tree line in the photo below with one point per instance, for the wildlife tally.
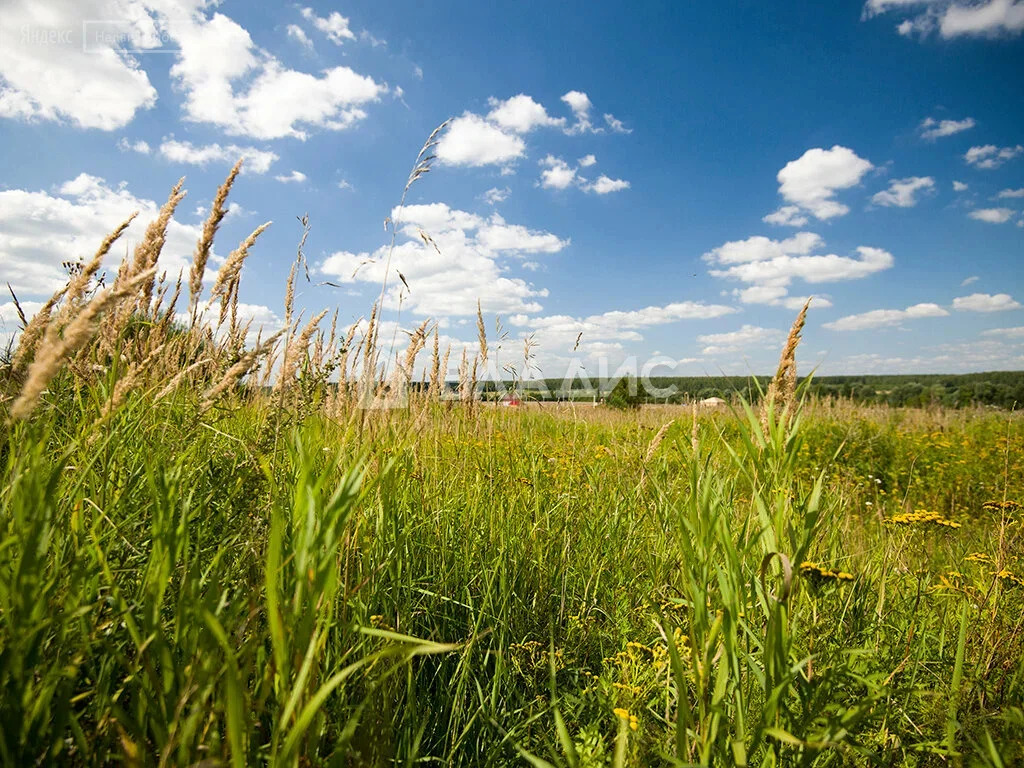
(999, 389)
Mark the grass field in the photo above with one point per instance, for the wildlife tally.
(198, 572)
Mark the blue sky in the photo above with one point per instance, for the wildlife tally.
(671, 180)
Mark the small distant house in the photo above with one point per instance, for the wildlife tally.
(510, 400)
(712, 402)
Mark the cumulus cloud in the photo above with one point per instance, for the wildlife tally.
(40, 230)
(297, 33)
(472, 141)
(521, 114)
(934, 129)
(811, 181)
(334, 26)
(959, 186)
(606, 185)
(992, 215)
(494, 195)
(879, 318)
(768, 267)
(990, 156)
(985, 302)
(557, 174)
(903, 193)
(616, 125)
(954, 18)
(51, 68)
(788, 216)
(256, 160)
(138, 146)
(295, 177)
(580, 105)
(588, 160)
(738, 340)
(466, 258)
(1010, 193)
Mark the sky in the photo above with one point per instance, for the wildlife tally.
(657, 184)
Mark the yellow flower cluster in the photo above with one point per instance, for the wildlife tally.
(1009, 578)
(623, 714)
(817, 572)
(978, 557)
(923, 517)
(1001, 506)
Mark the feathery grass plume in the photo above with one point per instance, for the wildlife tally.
(228, 276)
(652, 447)
(297, 348)
(442, 379)
(205, 244)
(125, 383)
(17, 307)
(782, 389)
(78, 284)
(179, 377)
(473, 379)
(148, 251)
(57, 349)
(435, 366)
(481, 332)
(694, 442)
(367, 374)
(401, 375)
(343, 356)
(238, 370)
(464, 377)
(289, 296)
(34, 331)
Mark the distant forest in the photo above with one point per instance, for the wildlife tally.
(1000, 389)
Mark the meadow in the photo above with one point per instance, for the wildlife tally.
(223, 549)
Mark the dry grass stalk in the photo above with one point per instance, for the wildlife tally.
(179, 377)
(238, 370)
(228, 276)
(652, 447)
(781, 393)
(481, 332)
(464, 392)
(205, 244)
(443, 378)
(124, 385)
(298, 349)
(57, 349)
(435, 366)
(33, 332)
(78, 284)
(289, 296)
(148, 251)
(694, 441)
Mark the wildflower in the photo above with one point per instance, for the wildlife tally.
(923, 517)
(819, 574)
(623, 714)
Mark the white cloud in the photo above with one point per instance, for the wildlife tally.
(990, 156)
(735, 341)
(768, 267)
(616, 125)
(992, 215)
(298, 34)
(580, 105)
(229, 82)
(985, 302)
(40, 230)
(1012, 193)
(879, 318)
(1009, 333)
(469, 262)
(521, 114)
(344, 184)
(606, 185)
(992, 18)
(933, 129)
(472, 141)
(139, 146)
(812, 180)
(256, 160)
(335, 26)
(786, 215)
(954, 18)
(959, 186)
(902, 193)
(969, 280)
(49, 72)
(586, 161)
(557, 173)
(494, 195)
(296, 177)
